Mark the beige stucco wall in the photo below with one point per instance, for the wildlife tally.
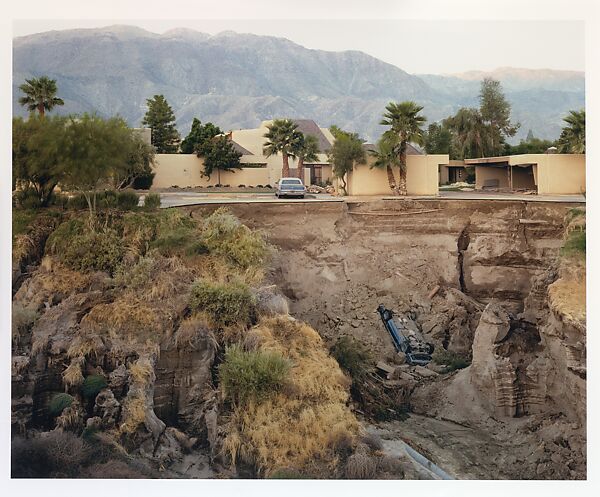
(184, 170)
(558, 174)
(483, 173)
(421, 176)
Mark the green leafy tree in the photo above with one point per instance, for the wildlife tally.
(161, 119)
(495, 113)
(95, 150)
(347, 150)
(219, 155)
(386, 157)
(281, 138)
(405, 124)
(572, 137)
(437, 139)
(199, 135)
(38, 160)
(306, 149)
(470, 135)
(40, 95)
(530, 146)
(140, 160)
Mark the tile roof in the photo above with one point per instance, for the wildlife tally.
(309, 127)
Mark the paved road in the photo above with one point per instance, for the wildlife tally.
(176, 199)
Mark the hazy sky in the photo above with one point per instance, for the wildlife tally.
(415, 46)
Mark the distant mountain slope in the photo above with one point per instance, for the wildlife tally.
(237, 80)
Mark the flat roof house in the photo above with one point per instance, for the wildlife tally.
(548, 174)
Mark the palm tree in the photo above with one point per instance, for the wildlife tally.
(306, 149)
(572, 138)
(282, 137)
(405, 126)
(40, 95)
(386, 155)
(470, 133)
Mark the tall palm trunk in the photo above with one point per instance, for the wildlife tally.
(285, 172)
(391, 179)
(41, 109)
(402, 185)
(301, 168)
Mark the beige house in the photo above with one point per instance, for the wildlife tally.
(548, 174)
(185, 170)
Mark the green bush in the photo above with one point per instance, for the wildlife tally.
(26, 199)
(246, 375)
(152, 201)
(107, 199)
(225, 303)
(352, 356)
(127, 200)
(575, 243)
(83, 249)
(224, 235)
(59, 403)
(92, 386)
(143, 182)
(77, 202)
(450, 359)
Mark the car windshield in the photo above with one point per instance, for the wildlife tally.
(291, 182)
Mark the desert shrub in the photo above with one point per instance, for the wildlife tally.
(175, 232)
(26, 199)
(224, 235)
(361, 466)
(352, 356)
(298, 426)
(127, 200)
(83, 249)
(254, 374)
(53, 454)
(241, 186)
(152, 201)
(59, 402)
(451, 360)
(92, 385)
(391, 465)
(224, 303)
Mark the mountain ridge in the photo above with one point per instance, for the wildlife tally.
(237, 80)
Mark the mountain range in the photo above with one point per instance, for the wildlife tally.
(238, 80)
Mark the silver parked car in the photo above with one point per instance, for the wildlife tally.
(290, 187)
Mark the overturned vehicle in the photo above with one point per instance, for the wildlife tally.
(407, 339)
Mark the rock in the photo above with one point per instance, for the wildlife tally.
(270, 302)
(424, 372)
(107, 408)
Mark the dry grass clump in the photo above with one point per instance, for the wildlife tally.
(155, 277)
(23, 318)
(224, 303)
(73, 374)
(141, 374)
(130, 318)
(193, 330)
(141, 371)
(361, 466)
(254, 374)
(301, 425)
(79, 247)
(133, 414)
(85, 345)
(224, 235)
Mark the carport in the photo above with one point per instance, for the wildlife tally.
(503, 173)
